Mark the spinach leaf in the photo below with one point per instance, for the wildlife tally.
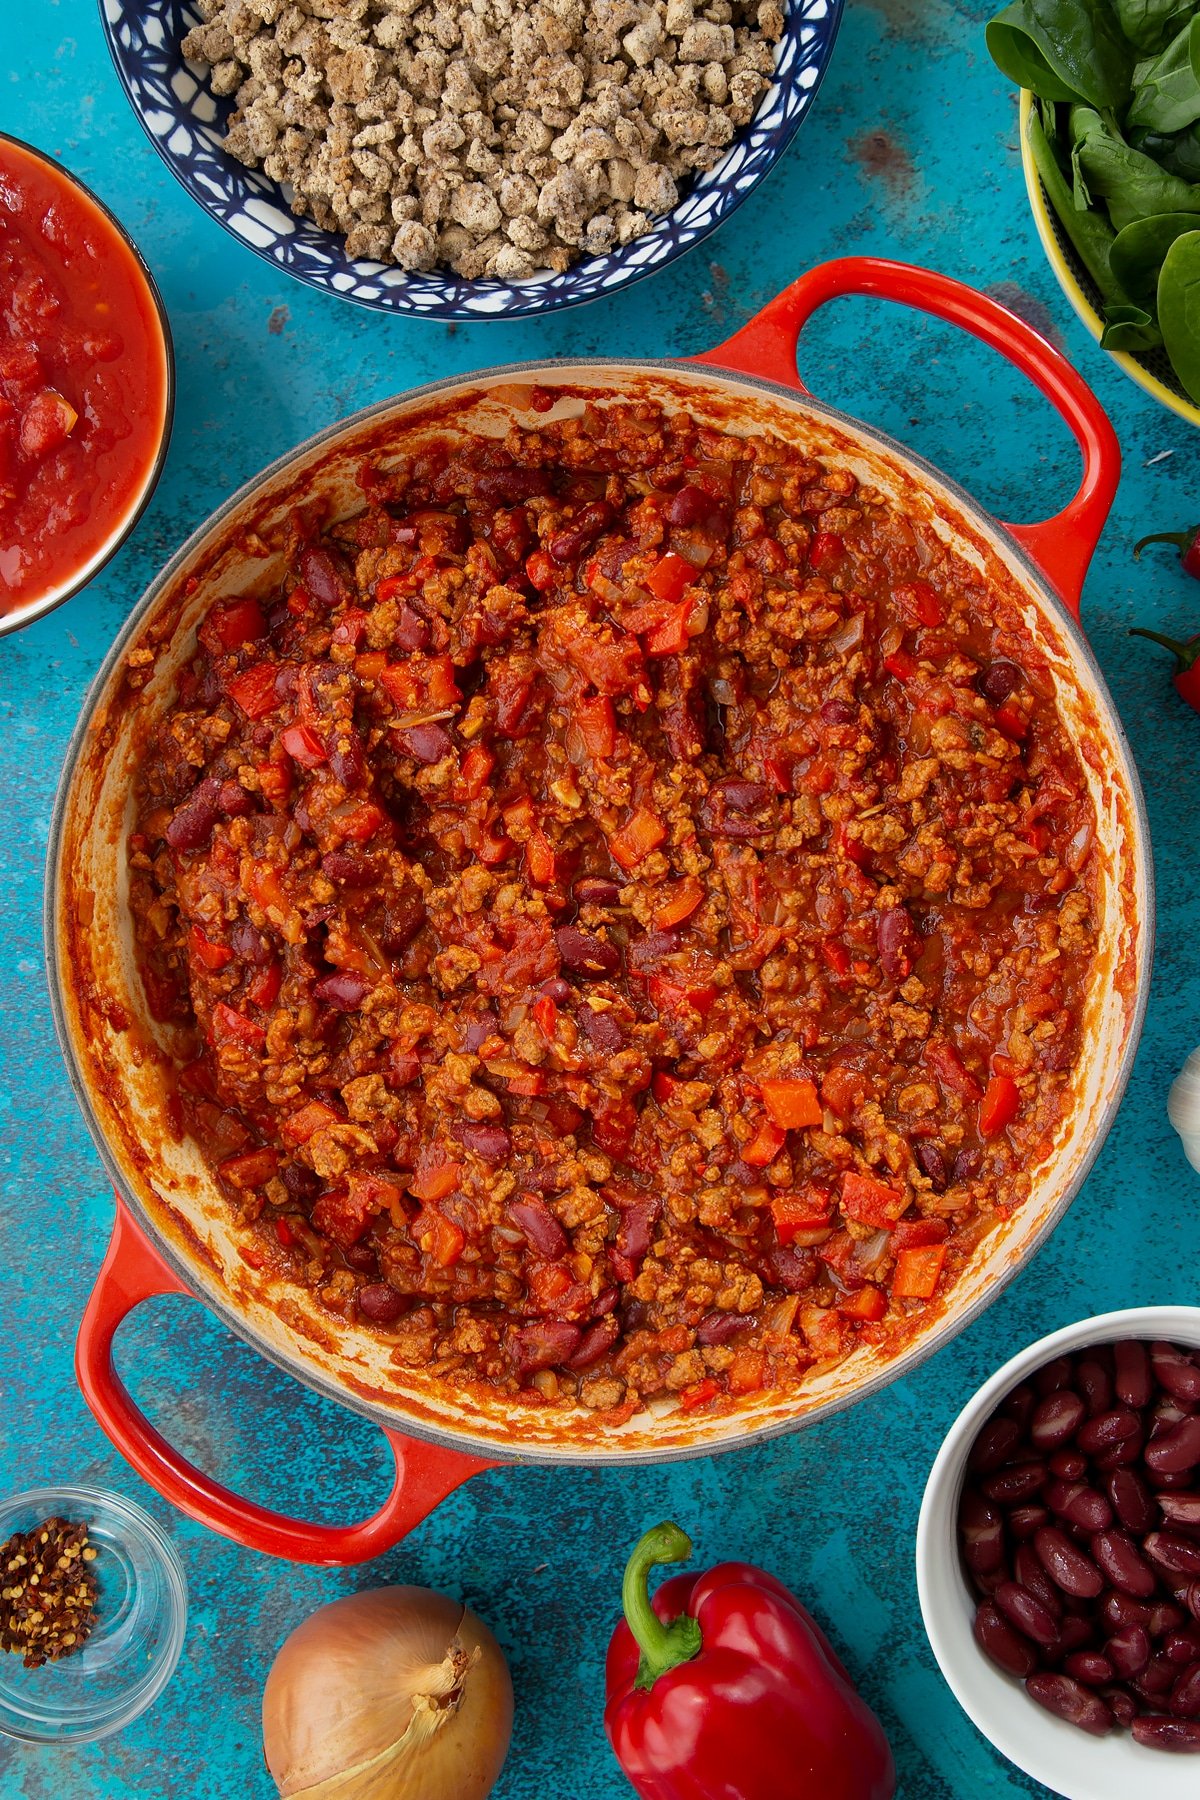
(1087, 232)
(1179, 155)
(1179, 309)
(1137, 252)
(1145, 22)
(1166, 94)
(1133, 184)
(1063, 50)
(1129, 328)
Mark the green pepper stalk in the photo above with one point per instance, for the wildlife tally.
(662, 1646)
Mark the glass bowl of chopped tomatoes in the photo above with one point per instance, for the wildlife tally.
(86, 384)
(86, 1661)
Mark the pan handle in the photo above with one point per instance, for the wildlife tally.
(1062, 547)
(134, 1271)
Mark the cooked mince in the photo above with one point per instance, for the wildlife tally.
(630, 897)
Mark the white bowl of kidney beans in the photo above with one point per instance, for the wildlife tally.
(1058, 1557)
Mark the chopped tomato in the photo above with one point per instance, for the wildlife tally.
(793, 1214)
(350, 626)
(213, 956)
(765, 1145)
(920, 602)
(679, 902)
(642, 832)
(1012, 721)
(529, 1084)
(303, 746)
(901, 665)
(843, 1091)
(421, 682)
(669, 576)
(597, 725)
(747, 1372)
(612, 662)
(870, 1202)
(477, 765)
(435, 1177)
(252, 1169)
(545, 1015)
(519, 815)
(314, 1115)
(827, 548)
(950, 1069)
(264, 887)
(547, 1283)
(918, 1271)
(539, 859)
(254, 690)
(665, 1086)
(792, 1104)
(998, 1107)
(234, 1027)
(869, 1304)
(539, 571)
(370, 664)
(284, 1233)
(359, 820)
(275, 783)
(675, 996)
(442, 1241)
(263, 986)
(913, 1234)
(699, 1394)
(836, 957)
(232, 622)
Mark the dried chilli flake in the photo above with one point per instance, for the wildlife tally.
(47, 1592)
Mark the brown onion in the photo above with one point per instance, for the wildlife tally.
(396, 1693)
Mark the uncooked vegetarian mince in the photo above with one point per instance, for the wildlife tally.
(492, 135)
(631, 897)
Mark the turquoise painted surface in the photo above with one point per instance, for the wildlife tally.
(911, 151)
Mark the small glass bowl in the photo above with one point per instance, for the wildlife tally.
(141, 1615)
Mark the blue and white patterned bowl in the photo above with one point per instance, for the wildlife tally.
(185, 123)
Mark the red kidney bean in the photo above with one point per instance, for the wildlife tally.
(1029, 1574)
(1189, 1596)
(1177, 1449)
(1079, 1505)
(1180, 1510)
(996, 1444)
(1181, 1647)
(541, 1228)
(1067, 1566)
(1023, 1610)
(1019, 1481)
(1131, 1500)
(1124, 1706)
(1068, 1700)
(1163, 1482)
(1131, 1370)
(1121, 1456)
(585, 953)
(997, 1639)
(1123, 1563)
(544, 1345)
(381, 1303)
(1179, 1555)
(1176, 1372)
(1020, 1403)
(1088, 1666)
(1074, 1633)
(1184, 1702)
(719, 1327)
(596, 890)
(1166, 1415)
(1159, 1733)
(345, 990)
(489, 1141)
(1023, 1521)
(1157, 1678)
(1165, 1617)
(598, 1338)
(1056, 1419)
(1068, 1465)
(1128, 1650)
(982, 1531)
(1054, 1375)
(1094, 1382)
(1119, 1610)
(1105, 1429)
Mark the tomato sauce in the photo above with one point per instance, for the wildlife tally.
(84, 383)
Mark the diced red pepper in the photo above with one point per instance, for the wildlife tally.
(642, 832)
(920, 602)
(350, 626)
(918, 1271)
(264, 887)
(827, 548)
(679, 902)
(423, 682)
(435, 1177)
(699, 1394)
(836, 956)
(303, 746)
(765, 1145)
(314, 1115)
(676, 996)
(284, 1233)
(851, 847)
(477, 765)
(545, 1015)
(529, 1084)
(998, 1107)
(669, 576)
(868, 1304)
(234, 1027)
(901, 665)
(539, 859)
(370, 664)
(252, 1169)
(914, 1234)
(547, 1283)
(539, 570)
(213, 956)
(232, 622)
(843, 1091)
(254, 690)
(808, 1210)
(440, 1238)
(1012, 721)
(597, 725)
(792, 1104)
(950, 1069)
(359, 820)
(870, 1202)
(263, 986)
(747, 1372)
(393, 587)
(819, 776)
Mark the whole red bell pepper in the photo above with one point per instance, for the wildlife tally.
(725, 1688)
(1186, 652)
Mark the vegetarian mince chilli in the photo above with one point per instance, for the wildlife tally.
(629, 903)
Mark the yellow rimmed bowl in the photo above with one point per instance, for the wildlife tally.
(1151, 369)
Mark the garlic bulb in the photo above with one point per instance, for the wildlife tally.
(1183, 1107)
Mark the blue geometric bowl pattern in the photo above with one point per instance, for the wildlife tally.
(185, 123)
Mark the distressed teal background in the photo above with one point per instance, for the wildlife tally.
(911, 151)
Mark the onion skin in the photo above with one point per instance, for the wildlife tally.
(396, 1693)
